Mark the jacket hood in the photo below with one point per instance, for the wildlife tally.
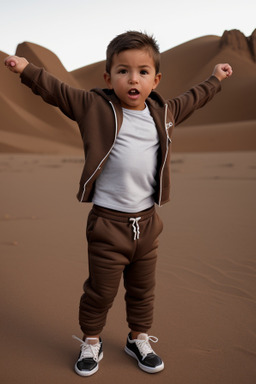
(156, 99)
(107, 94)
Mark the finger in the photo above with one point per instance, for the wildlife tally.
(227, 69)
(9, 61)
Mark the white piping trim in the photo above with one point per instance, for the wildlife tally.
(166, 154)
(99, 165)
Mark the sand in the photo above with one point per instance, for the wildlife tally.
(206, 275)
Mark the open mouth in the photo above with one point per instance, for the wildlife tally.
(133, 92)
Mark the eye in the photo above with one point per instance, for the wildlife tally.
(122, 71)
(143, 72)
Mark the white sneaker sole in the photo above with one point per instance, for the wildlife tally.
(144, 367)
(89, 373)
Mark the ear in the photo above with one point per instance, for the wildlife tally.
(157, 80)
(107, 79)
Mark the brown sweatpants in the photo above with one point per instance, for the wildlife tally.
(120, 244)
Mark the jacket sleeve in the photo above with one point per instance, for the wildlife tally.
(68, 99)
(184, 105)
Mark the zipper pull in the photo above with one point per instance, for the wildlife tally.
(169, 125)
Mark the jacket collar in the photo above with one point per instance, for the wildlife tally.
(155, 100)
(107, 94)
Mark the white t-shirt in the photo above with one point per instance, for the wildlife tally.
(127, 182)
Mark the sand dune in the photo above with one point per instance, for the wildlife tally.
(182, 67)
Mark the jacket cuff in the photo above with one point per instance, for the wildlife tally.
(213, 80)
(28, 74)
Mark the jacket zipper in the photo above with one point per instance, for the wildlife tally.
(99, 165)
(166, 154)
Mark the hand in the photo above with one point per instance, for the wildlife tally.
(222, 71)
(16, 64)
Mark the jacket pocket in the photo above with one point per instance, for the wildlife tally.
(91, 224)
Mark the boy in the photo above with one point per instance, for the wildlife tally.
(126, 131)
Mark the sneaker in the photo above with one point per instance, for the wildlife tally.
(141, 350)
(89, 357)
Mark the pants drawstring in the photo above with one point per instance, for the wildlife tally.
(135, 227)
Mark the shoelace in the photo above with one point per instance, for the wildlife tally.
(135, 227)
(88, 350)
(144, 346)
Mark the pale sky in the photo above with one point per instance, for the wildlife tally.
(78, 31)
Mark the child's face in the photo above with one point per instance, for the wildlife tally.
(132, 77)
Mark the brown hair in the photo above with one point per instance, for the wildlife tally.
(133, 40)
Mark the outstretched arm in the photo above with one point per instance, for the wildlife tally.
(184, 105)
(68, 99)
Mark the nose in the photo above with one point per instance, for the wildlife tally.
(133, 78)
